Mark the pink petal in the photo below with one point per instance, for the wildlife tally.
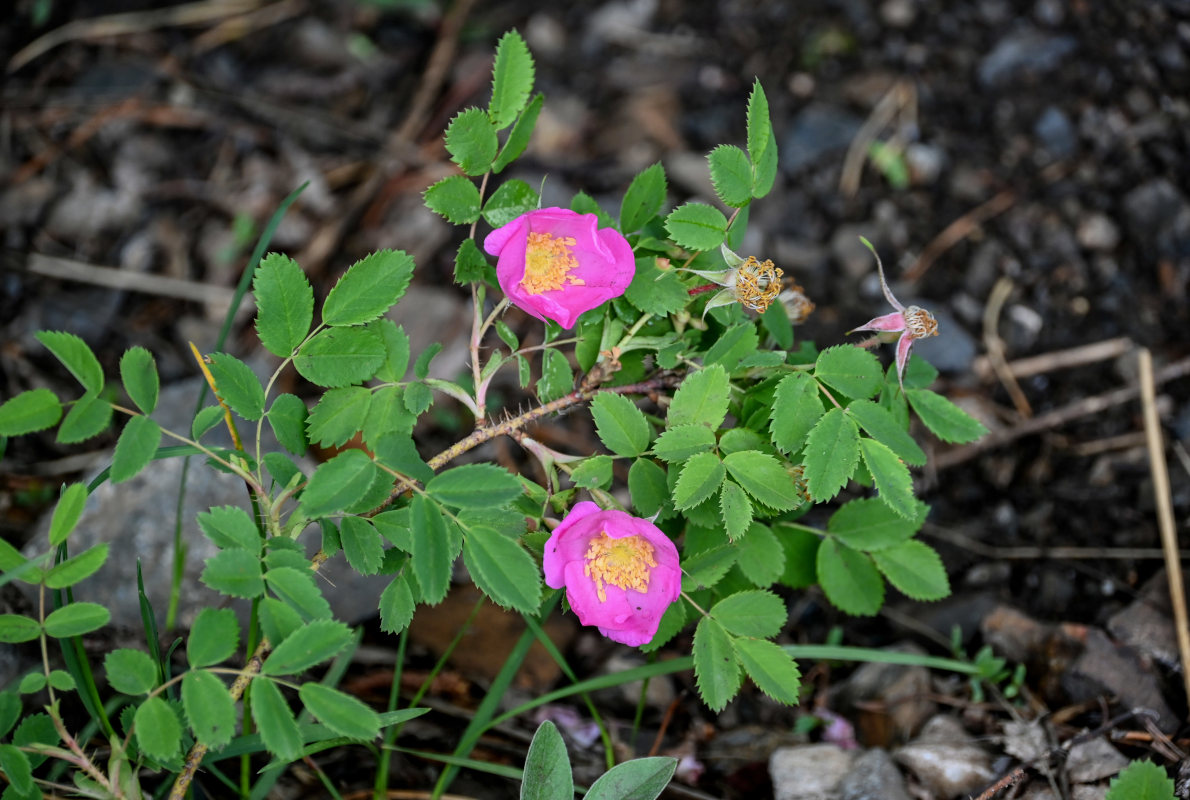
(889, 322)
(904, 345)
(565, 546)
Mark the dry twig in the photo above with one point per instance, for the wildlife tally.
(995, 345)
(1058, 359)
(1161, 491)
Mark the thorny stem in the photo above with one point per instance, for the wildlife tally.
(83, 762)
(510, 426)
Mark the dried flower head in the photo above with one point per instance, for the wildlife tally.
(911, 323)
(748, 281)
(798, 306)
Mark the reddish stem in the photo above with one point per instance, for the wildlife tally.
(706, 287)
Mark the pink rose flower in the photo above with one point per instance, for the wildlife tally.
(620, 571)
(555, 264)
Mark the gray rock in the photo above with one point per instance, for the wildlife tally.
(1056, 133)
(1105, 667)
(1025, 49)
(1093, 761)
(817, 131)
(904, 691)
(1158, 215)
(1147, 623)
(808, 772)
(873, 776)
(946, 760)
(925, 162)
(1098, 232)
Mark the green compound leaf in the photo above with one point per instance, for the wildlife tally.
(76, 356)
(298, 590)
(214, 637)
(396, 605)
(368, 288)
(471, 141)
(16, 628)
(339, 415)
(797, 407)
(89, 417)
(701, 399)
(772, 669)
(28, 412)
(339, 711)
(158, 732)
(396, 349)
(238, 385)
(77, 568)
(76, 619)
(731, 175)
(1141, 780)
(761, 557)
(135, 448)
(10, 711)
(235, 573)
(762, 145)
(891, 477)
(682, 441)
(362, 545)
(737, 343)
(433, 552)
(557, 379)
(32, 682)
(621, 426)
(338, 483)
(19, 771)
(230, 527)
(206, 420)
(310, 644)
(130, 671)
(700, 478)
(511, 200)
(851, 370)
(284, 304)
(715, 666)
(547, 767)
(287, 418)
(593, 473)
(832, 452)
(644, 198)
(763, 477)
(209, 708)
(755, 613)
(274, 718)
(502, 569)
(656, 291)
(647, 486)
(849, 579)
(638, 779)
(475, 486)
(62, 680)
(915, 569)
(418, 398)
(67, 512)
(341, 356)
(736, 510)
(512, 80)
(869, 524)
(704, 570)
(138, 371)
(518, 137)
(881, 426)
(697, 226)
(946, 420)
(456, 198)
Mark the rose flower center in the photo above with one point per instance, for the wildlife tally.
(757, 284)
(622, 562)
(920, 323)
(548, 263)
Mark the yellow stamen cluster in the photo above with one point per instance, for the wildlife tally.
(757, 284)
(548, 263)
(920, 323)
(624, 562)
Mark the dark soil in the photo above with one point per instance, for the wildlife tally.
(1060, 131)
